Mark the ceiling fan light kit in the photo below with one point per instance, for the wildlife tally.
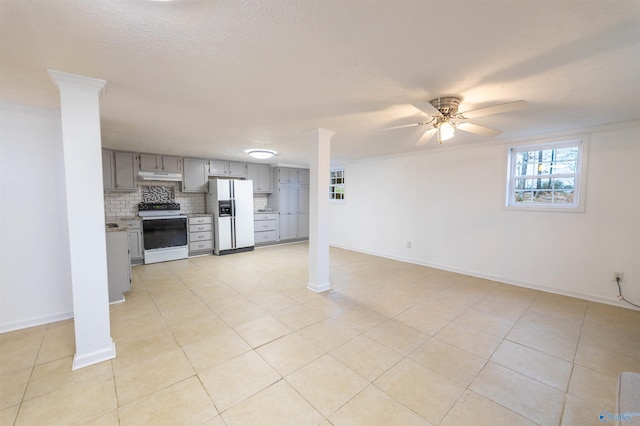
(446, 130)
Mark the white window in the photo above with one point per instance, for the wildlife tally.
(336, 186)
(548, 175)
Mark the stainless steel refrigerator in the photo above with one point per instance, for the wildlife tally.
(231, 203)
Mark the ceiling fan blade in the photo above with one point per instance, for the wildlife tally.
(399, 127)
(496, 109)
(478, 130)
(427, 108)
(426, 137)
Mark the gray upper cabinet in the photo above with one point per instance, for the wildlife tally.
(218, 168)
(303, 176)
(287, 175)
(126, 171)
(227, 168)
(260, 174)
(160, 163)
(151, 163)
(171, 164)
(237, 169)
(108, 170)
(195, 176)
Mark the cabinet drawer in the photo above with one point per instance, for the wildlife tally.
(200, 228)
(132, 224)
(200, 245)
(265, 216)
(200, 236)
(265, 237)
(265, 225)
(200, 220)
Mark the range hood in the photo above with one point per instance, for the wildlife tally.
(172, 177)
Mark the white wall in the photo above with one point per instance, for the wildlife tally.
(35, 279)
(448, 203)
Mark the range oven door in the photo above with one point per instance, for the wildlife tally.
(162, 232)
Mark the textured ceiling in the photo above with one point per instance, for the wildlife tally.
(213, 78)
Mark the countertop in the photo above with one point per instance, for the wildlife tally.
(120, 221)
(119, 228)
(199, 215)
(265, 211)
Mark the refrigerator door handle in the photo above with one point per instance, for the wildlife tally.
(233, 232)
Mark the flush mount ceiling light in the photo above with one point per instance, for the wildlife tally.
(261, 154)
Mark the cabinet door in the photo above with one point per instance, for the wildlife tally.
(288, 226)
(303, 199)
(303, 176)
(135, 245)
(237, 169)
(288, 199)
(288, 175)
(172, 164)
(151, 162)
(303, 225)
(126, 171)
(194, 178)
(264, 171)
(108, 172)
(254, 175)
(118, 266)
(260, 174)
(218, 168)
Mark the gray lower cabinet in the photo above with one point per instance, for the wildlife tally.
(303, 209)
(118, 266)
(288, 226)
(195, 177)
(136, 246)
(265, 227)
(200, 235)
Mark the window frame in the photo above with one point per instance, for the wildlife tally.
(580, 184)
(332, 185)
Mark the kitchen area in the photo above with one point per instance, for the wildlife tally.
(163, 208)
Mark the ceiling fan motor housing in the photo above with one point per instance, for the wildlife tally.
(447, 105)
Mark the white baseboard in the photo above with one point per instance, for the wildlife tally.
(554, 290)
(33, 322)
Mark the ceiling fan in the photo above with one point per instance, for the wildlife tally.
(445, 118)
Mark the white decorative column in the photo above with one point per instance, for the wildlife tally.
(80, 111)
(320, 147)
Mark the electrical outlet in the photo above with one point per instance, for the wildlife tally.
(618, 275)
(408, 244)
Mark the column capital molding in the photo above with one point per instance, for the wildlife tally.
(320, 133)
(64, 79)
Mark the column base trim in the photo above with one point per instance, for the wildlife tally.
(319, 288)
(81, 361)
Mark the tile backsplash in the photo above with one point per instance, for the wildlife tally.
(157, 194)
(125, 204)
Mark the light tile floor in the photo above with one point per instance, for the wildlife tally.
(239, 340)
